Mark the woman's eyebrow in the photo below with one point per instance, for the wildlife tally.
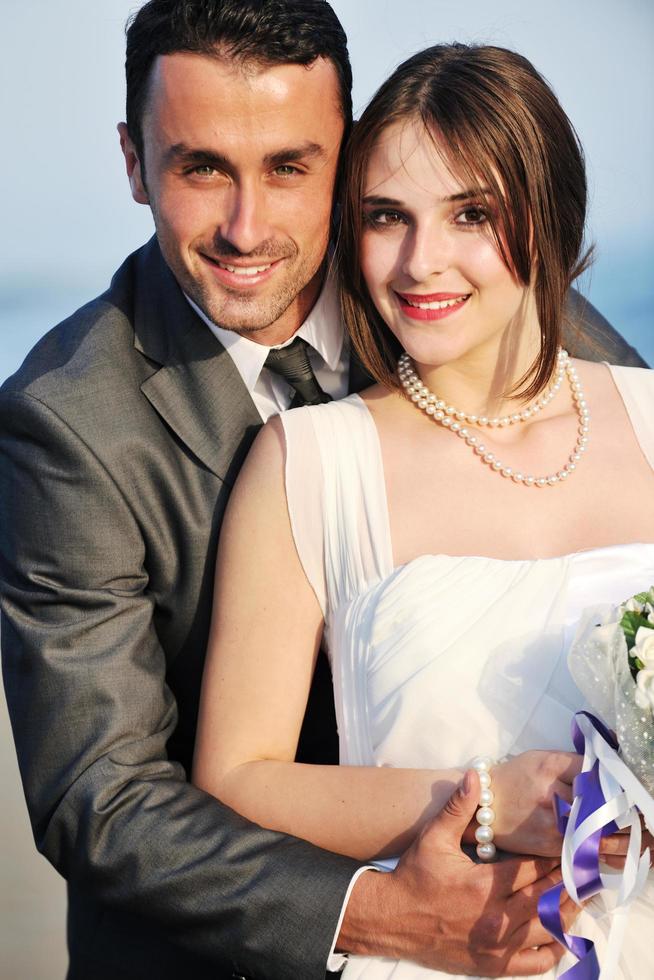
(467, 195)
(387, 202)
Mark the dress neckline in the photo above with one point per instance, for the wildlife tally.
(380, 477)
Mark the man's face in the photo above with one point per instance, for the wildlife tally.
(240, 165)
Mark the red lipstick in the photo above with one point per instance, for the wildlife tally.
(413, 304)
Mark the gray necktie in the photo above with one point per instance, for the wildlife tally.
(292, 363)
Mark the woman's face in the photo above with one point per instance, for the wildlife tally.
(429, 259)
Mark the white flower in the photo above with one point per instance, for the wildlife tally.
(631, 605)
(648, 611)
(645, 689)
(644, 648)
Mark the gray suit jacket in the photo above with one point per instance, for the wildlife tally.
(120, 439)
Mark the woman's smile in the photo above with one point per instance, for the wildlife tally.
(434, 306)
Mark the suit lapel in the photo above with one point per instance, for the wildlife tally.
(195, 386)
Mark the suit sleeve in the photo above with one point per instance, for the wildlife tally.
(85, 682)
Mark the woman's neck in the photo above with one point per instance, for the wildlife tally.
(480, 382)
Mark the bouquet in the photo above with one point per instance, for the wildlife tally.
(612, 663)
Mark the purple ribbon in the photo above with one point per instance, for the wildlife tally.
(585, 860)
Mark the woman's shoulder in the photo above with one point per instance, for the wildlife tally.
(303, 434)
(635, 390)
(263, 468)
(633, 375)
(344, 412)
(635, 384)
(351, 404)
(601, 373)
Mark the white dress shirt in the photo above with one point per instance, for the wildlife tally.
(328, 354)
(330, 359)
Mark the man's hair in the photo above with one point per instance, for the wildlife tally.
(265, 32)
(500, 127)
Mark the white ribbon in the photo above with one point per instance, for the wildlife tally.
(625, 798)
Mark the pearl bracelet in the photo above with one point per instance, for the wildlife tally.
(485, 815)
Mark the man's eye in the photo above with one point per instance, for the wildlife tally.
(285, 170)
(204, 170)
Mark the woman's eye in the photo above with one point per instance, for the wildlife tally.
(472, 216)
(384, 219)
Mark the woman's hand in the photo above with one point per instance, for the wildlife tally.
(613, 849)
(524, 789)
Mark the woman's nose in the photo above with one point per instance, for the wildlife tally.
(427, 251)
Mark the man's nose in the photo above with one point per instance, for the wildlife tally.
(245, 224)
(426, 251)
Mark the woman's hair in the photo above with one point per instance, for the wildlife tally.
(501, 128)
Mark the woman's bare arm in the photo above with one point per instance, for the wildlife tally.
(265, 635)
(263, 644)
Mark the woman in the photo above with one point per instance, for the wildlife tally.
(466, 508)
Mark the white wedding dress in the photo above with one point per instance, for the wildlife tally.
(446, 658)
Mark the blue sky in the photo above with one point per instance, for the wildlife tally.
(67, 215)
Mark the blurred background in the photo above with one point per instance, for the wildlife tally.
(69, 221)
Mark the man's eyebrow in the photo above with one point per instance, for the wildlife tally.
(390, 202)
(293, 154)
(180, 152)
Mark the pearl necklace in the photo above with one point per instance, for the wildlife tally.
(454, 420)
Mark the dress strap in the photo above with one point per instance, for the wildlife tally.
(337, 499)
(636, 388)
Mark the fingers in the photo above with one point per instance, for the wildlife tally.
(533, 962)
(616, 844)
(529, 935)
(522, 910)
(615, 862)
(565, 765)
(569, 912)
(459, 810)
(613, 849)
(523, 905)
(564, 790)
(516, 874)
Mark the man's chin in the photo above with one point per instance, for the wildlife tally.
(248, 320)
(242, 314)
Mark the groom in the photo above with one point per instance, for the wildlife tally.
(120, 439)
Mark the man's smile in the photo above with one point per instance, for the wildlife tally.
(238, 273)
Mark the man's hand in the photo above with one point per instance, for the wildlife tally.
(440, 909)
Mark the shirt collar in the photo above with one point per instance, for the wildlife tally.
(322, 330)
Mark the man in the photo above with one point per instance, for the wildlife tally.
(121, 438)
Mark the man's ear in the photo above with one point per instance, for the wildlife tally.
(133, 166)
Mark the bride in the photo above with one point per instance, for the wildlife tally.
(443, 532)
